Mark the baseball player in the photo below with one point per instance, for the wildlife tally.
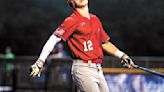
(86, 38)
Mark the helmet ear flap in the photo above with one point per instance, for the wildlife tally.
(71, 3)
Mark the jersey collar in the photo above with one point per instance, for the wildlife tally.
(80, 16)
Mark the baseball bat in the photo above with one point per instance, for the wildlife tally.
(149, 70)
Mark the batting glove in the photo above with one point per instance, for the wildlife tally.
(127, 62)
(36, 68)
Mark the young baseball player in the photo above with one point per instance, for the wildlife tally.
(86, 38)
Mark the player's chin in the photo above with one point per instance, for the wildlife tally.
(81, 6)
(84, 1)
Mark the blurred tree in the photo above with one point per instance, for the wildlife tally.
(26, 24)
(136, 26)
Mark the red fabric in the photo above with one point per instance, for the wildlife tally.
(84, 36)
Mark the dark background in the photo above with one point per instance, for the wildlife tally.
(135, 26)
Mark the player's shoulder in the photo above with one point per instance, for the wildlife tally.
(92, 15)
(70, 19)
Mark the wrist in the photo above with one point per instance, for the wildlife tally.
(39, 63)
(119, 54)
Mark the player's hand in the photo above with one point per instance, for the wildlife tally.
(36, 68)
(127, 62)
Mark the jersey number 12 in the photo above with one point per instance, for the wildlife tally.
(88, 46)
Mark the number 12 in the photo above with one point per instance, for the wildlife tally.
(88, 45)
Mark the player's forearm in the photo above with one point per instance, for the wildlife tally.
(48, 47)
(112, 49)
(37, 67)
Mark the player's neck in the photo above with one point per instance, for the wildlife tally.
(84, 11)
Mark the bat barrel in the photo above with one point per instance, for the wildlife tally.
(151, 71)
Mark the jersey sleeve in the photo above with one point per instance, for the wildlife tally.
(65, 30)
(103, 34)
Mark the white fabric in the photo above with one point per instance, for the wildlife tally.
(48, 47)
(88, 77)
(119, 53)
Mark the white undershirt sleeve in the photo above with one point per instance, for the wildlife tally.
(48, 47)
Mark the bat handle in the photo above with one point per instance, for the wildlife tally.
(135, 66)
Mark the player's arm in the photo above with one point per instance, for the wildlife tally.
(113, 50)
(36, 68)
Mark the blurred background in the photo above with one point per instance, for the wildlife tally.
(135, 26)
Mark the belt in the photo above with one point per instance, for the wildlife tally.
(96, 61)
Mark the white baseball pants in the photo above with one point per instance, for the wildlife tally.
(88, 77)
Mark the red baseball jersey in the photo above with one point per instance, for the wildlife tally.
(84, 36)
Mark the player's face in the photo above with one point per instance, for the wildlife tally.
(81, 3)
